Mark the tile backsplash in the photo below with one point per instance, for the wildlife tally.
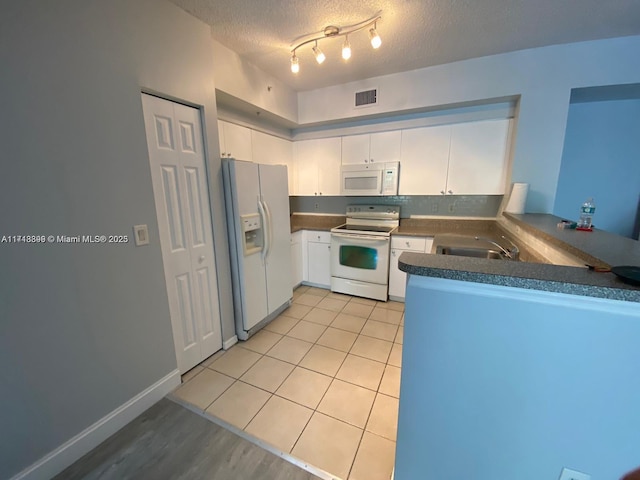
(410, 205)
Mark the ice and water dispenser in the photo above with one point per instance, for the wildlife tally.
(252, 240)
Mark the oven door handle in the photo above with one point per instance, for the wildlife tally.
(369, 238)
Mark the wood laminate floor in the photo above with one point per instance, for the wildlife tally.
(170, 442)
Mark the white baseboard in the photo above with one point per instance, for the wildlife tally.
(396, 299)
(227, 344)
(67, 453)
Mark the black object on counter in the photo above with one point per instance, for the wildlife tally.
(628, 273)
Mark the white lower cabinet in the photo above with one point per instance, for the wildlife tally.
(318, 247)
(296, 258)
(397, 278)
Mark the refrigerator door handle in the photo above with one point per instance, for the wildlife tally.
(270, 229)
(265, 229)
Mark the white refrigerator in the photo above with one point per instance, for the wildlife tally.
(257, 204)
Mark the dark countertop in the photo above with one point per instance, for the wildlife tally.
(446, 229)
(601, 246)
(302, 221)
(596, 248)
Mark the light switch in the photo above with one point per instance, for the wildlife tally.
(141, 235)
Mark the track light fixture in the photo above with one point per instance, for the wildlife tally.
(333, 31)
(376, 41)
(318, 54)
(346, 49)
(295, 66)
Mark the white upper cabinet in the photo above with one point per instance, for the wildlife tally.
(385, 146)
(424, 159)
(478, 158)
(235, 141)
(271, 150)
(355, 149)
(461, 159)
(317, 166)
(370, 148)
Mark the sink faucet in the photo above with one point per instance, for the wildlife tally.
(511, 253)
(514, 250)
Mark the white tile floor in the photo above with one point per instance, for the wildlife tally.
(320, 382)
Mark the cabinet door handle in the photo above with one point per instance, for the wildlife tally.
(408, 244)
(441, 192)
(366, 161)
(450, 192)
(371, 160)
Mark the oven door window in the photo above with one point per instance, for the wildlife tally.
(356, 256)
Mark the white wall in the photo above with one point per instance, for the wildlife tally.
(543, 77)
(85, 328)
(505, 383)
(241, 79)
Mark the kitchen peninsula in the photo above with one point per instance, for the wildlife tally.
(518, 370)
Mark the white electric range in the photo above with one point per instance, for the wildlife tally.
(360, 251)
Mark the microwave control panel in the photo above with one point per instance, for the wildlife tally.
(390, 179)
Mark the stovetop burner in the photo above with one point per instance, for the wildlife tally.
(379, 220)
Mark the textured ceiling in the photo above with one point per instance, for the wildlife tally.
(415, 33)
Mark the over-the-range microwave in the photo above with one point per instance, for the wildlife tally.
(369, 179)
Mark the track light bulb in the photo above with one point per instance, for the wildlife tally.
(376, 41)
(318, 53)
(346, 49)
(295, 66)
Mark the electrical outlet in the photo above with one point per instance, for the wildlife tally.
(567, 474)
(317, 206)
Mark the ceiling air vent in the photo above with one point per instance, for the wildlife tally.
(366, 98)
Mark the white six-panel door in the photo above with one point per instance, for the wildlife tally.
(176, 156)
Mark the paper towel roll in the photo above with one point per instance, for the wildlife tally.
(518, 198)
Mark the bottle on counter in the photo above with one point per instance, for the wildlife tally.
(586, 215)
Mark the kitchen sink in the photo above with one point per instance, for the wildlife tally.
(471, 252)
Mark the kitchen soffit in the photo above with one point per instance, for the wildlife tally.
(415, 33)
